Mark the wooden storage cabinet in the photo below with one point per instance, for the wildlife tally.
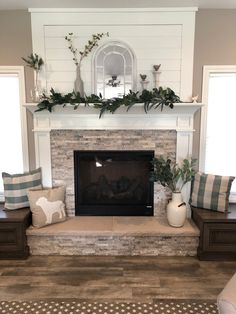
(217, 234)
(13, 225)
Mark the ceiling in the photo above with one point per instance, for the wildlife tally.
(203, 4)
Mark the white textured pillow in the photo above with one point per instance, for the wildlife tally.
(47, 206)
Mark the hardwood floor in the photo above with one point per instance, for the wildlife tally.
(112, 278)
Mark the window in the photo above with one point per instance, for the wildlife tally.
(218, 152)
(13, 136)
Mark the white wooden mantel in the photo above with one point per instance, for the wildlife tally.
(180, 118)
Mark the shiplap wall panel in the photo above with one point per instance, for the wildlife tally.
(160, 41)
(150, 53)
(164, 38)
(166, 46)
(87, 30)
(167, 64)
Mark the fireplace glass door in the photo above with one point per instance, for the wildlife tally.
(113, 183)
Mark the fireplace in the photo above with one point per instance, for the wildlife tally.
(167, 132)
(113, 183)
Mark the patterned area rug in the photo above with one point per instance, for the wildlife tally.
(70, 307)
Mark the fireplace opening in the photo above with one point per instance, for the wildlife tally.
(113, 183)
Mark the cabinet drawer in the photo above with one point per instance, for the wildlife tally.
(10, 237)
(219, 237)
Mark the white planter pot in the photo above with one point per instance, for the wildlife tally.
(176, 210)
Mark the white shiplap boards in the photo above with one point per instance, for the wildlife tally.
(155, 36)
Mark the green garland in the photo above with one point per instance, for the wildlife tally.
(157, 98)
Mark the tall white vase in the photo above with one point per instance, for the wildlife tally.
(36, 91)
(79, 84)
(176, 210)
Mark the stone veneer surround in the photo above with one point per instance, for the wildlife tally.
(64, 142)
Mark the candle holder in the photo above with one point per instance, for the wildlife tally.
(144, 83)
(156, 74)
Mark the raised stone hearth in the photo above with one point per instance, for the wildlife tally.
(114, 236)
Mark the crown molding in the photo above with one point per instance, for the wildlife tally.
(112, 10)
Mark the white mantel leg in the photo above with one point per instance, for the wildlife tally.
(43, 156)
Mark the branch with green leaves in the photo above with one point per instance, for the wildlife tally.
(174, 176)
(157, 98)
(78, 56)
(34, 61)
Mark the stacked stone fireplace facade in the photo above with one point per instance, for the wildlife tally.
(64, 142)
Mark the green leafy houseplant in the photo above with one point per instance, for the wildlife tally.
(174, 176)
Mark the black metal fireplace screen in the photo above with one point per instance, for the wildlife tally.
(113, 183)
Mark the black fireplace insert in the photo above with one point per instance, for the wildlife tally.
(113, 183)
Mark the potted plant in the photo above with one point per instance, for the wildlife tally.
(174, 176)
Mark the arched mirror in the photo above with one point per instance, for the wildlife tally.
(114, 70)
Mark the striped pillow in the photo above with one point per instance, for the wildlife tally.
(211, 191)
(17, 185)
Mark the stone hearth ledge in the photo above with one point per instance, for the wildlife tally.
(99, 226)
(116, 236)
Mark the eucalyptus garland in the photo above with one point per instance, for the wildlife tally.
(157, 98)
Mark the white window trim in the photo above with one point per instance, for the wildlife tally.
(19, 70)
(207, 71)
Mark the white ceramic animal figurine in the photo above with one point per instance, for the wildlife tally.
(49, 208)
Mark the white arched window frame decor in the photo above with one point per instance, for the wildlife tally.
(114, 70)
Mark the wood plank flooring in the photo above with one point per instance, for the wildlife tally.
(112, 278)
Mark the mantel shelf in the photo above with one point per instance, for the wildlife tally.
(137, 109)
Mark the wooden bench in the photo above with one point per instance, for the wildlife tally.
(217, 233)
(13, 225)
